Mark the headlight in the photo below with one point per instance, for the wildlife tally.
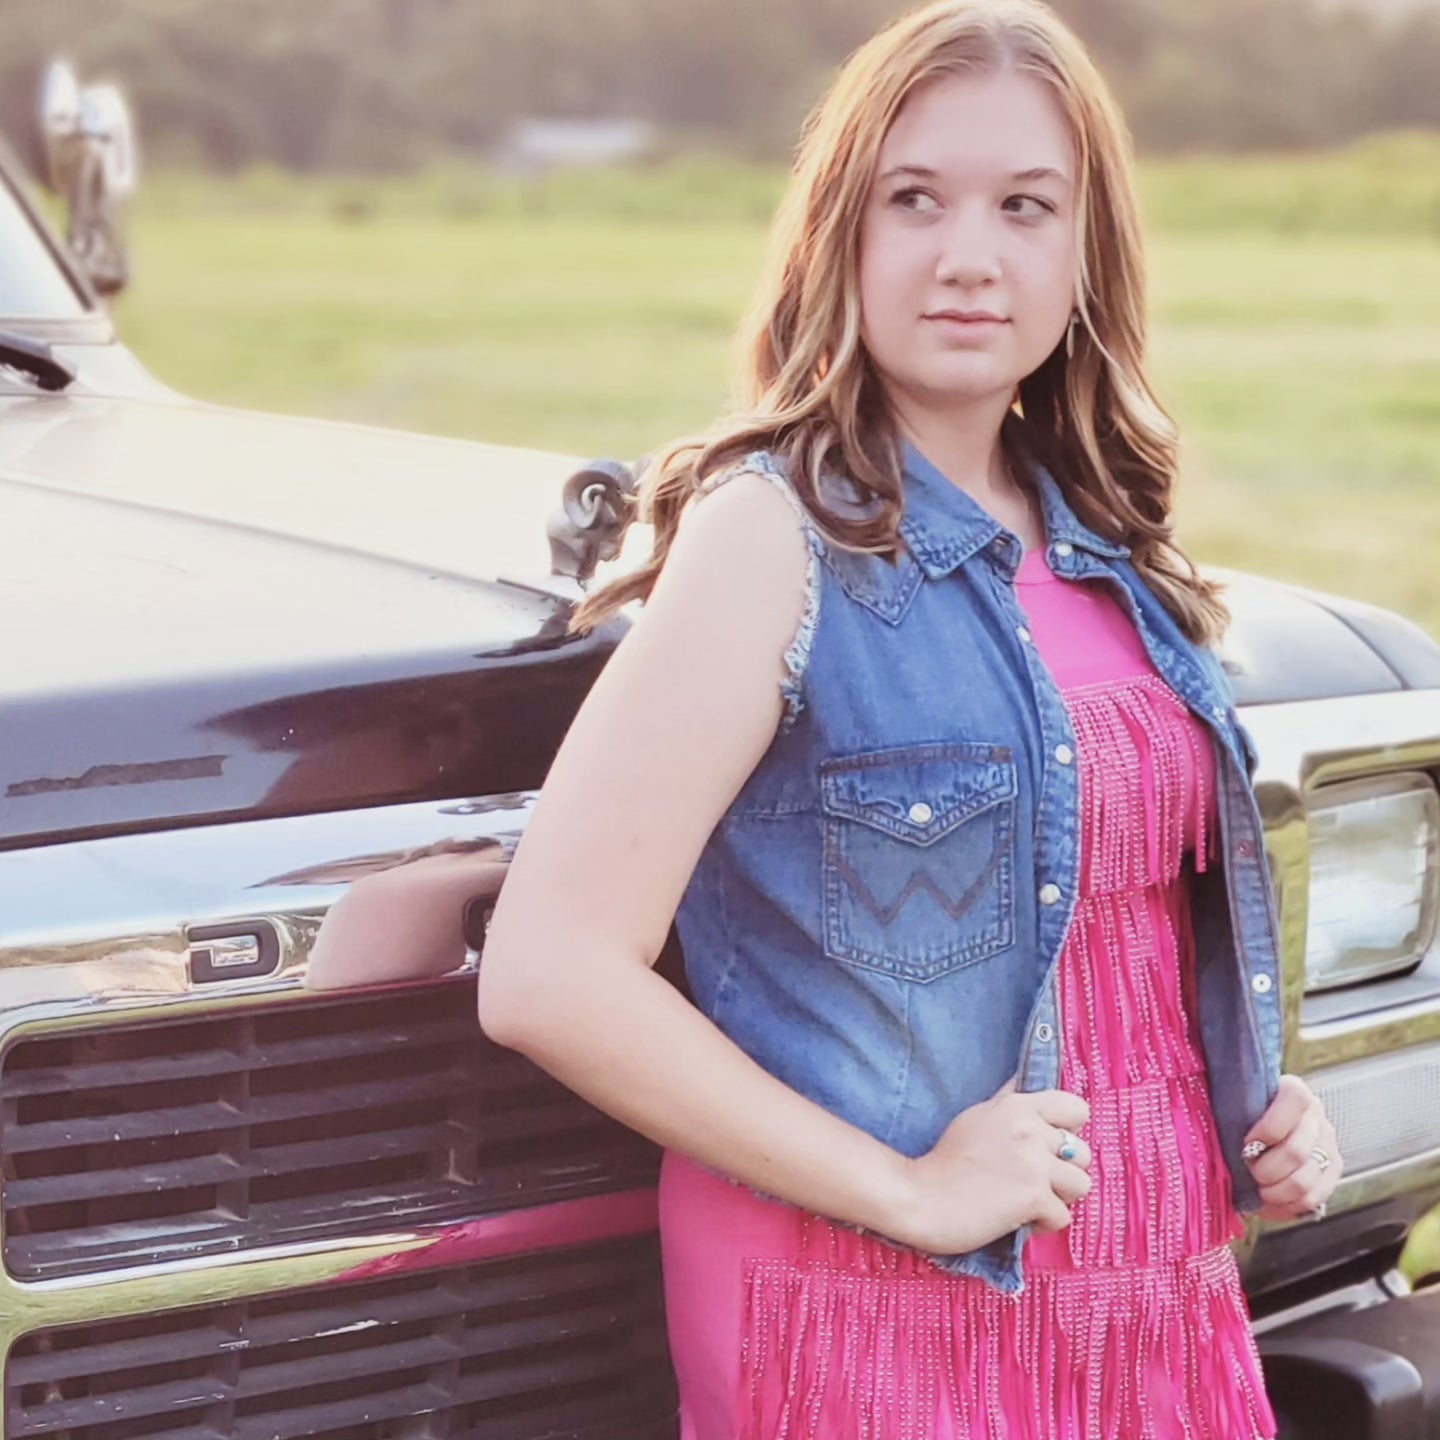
(1373, 858)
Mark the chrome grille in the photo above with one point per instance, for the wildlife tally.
(562, 1343)
(131, 1144)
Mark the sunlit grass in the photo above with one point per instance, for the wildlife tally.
(593, 314)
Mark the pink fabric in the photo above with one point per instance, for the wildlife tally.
(1132, 1322)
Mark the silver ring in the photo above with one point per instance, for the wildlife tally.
(1068, 1143)
(1254, 1149)
(1320, 1158)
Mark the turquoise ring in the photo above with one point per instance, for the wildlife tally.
(1068, 1150)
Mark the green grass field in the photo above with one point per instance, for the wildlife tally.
(1298, 345)
(1296, 332)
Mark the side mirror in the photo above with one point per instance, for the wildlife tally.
(92, 162)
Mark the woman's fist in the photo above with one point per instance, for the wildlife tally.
(997, 1166)
(1287, 1149)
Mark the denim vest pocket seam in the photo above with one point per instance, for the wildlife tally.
(765, 812)
(919, 857)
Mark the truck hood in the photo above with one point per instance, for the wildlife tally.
(460, 512)
(456, 507)
(213, 613)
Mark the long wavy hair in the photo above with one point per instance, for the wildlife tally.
(807, 390)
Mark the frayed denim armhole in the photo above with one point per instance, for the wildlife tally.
(797, 652)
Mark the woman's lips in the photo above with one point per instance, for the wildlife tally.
(956, 323)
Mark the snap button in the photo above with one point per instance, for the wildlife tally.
(1064, 547)
(920, 812)
(1064, 754)
(1260, 984)
(1044, 1033)
(1023, 633)
(1218, 711)
(1049, 894)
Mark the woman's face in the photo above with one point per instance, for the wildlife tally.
(970, 214)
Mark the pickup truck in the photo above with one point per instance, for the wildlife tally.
(234, 680)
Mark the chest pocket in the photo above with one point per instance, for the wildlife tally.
(919, 856)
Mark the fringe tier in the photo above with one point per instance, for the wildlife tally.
(1147, 781)
(1160, 1193)
(852, 1353)
(1132, 1324)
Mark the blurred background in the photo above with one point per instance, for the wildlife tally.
(536, 222)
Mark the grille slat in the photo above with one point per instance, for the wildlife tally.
(138, 1404)
(326, 1419)
(218, 1115)
(211, 1170)
(397, 1205)
(283, 1159)
(383, 1352)
(564, 1342)
(218, 1169)
(130, 1144)
(199, 1119)
(588, 1271)
(118, 1355)
(367, 1044)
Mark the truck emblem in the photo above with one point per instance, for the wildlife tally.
(240, 951)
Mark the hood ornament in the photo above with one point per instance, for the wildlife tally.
(597, 507)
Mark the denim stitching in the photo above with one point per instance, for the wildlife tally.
(840, 944)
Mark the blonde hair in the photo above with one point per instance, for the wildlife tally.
(807, 390)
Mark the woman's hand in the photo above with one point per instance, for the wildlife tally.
(1280, 1149)
(997, 1167)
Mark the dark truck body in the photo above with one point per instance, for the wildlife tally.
(232, 681)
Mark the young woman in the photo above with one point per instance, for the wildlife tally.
(921, 740)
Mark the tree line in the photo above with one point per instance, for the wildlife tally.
(387, 84)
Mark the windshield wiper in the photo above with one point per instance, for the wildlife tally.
(35, 358)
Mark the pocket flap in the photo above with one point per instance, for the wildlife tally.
(918, 793)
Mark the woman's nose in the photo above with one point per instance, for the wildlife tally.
(968, 254)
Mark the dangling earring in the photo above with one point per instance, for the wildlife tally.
(1070, 335)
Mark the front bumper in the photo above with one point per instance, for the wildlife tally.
(1371, 1373)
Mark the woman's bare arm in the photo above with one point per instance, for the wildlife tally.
(676, 722)
(405, 923)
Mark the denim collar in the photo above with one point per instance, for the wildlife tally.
(943, 526)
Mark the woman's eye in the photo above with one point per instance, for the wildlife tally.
(1029, 207)
(917, 202)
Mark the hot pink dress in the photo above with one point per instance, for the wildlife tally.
(1132, 1324)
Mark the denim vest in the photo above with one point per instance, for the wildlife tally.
(877, 917)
